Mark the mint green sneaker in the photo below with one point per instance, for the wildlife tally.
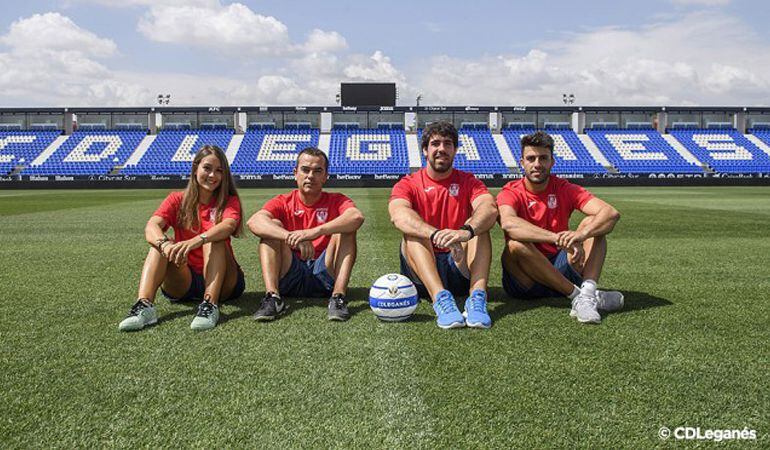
(206, 318)
(141, 315)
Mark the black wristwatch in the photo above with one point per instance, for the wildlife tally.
(467, 227)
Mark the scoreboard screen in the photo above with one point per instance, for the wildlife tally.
(368, 94)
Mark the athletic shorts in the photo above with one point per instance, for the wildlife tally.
(307, 278)
(515, 289)
(451, 277)
(198, 288)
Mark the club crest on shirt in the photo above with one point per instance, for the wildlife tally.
(322, 214)
(454, 189)
(552, 201)
(299, 212)
(212, 215)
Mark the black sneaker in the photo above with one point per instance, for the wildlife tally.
(338, 308)
(271, 307)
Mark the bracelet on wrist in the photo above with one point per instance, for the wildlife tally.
(469, 229)
(433, 235)
(159, 243)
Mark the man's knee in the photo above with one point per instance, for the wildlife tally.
(348, 238)
(274, 243)
(412, 242)
(517, 248)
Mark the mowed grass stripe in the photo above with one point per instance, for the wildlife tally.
(688, 350)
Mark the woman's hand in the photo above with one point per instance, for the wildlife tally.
(177, 253)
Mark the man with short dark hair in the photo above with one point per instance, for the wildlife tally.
(542, 257)
(445, 216)
(307, 244)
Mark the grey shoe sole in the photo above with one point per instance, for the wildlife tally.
(153, 322)
(622, 305)
(269, 318)
(205, 327)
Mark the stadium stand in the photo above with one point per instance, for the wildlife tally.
(724, 150)
(19, 148)
(368, 151)
(760, 136)
(266, 150)
(640, 151)
(173, 150)
(477, 152)
(89, 153)
(570, 154)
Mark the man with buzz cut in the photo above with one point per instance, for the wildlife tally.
(307, 244)
(542, 257)
(445, 216)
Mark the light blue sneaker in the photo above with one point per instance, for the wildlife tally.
(141, 315)
(446, 310)
(475, 313)
(206, 318)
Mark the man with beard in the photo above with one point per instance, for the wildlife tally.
(542, 257)
(307, 241)
(445, 216)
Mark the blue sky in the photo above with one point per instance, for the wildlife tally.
(121, 53)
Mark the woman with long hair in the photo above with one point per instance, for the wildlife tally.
(198, 262)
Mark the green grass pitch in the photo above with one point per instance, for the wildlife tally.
(690, 348)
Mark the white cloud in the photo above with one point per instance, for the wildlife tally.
(376, 67)
(53, 61)
(54, 32)
(701, 58)
(324, 41)
(704, 58)
(231, 29)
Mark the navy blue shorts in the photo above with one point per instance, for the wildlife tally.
(515, 289)
(451, 277)
(198, 288)
(307, 278)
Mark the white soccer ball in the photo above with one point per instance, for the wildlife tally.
(393, 297)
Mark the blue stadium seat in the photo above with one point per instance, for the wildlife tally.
(724, 150)
(763, 133)
(477, 152)
(640, 151)
(270, 151)
(570, 154)
(172, 151)
(89, 153)
(22, 147)
(368, 152)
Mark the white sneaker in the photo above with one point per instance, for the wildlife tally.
(141, 315)
(584, 309)
(609, 300)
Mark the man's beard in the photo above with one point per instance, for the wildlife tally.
(543, 178)
(434, 166)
